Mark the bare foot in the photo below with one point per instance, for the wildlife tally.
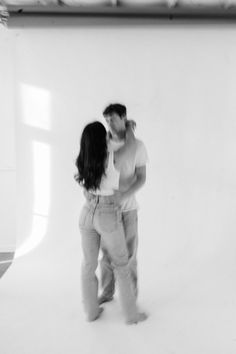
(141, 316)
(103, 299)
(100, 310)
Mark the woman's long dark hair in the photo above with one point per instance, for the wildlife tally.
(92, 156)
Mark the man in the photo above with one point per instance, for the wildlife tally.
(130, 159)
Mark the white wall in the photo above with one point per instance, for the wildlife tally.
(7, 143)
(178, 81)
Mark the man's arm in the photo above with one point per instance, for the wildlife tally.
(140, 173)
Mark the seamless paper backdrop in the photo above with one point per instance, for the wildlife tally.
(178, 82)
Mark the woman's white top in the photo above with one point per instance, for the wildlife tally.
(110, 180)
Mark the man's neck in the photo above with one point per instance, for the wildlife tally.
(118, 137)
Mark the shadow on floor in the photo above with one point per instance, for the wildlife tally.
(6, 259)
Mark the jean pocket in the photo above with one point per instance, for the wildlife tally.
(108, 220)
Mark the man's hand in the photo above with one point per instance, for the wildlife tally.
(119, 197)
(140, 173)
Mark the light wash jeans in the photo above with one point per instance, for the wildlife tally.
(130, 224)
(101, 219)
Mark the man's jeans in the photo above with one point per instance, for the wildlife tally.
(101, 219)
(130, 224)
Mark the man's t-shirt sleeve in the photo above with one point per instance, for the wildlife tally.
(141, 155)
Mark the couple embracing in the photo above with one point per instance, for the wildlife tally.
(111, 169)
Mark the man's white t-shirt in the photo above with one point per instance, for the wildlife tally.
(126, 161)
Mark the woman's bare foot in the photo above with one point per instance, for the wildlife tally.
(100, 310)
(141, 316)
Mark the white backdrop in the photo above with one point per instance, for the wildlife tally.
(7, 143)
(178, 81)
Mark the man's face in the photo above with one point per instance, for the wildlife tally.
(116, 124)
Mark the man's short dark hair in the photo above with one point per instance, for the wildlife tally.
(117, 108)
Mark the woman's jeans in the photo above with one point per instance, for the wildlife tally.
(130, 224)
(100, 219)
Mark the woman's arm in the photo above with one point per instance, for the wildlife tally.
(130, 123)
(130, 127)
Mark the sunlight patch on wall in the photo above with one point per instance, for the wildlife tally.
(39, 228)
(35, 106)
(41, 182)
(41, 172)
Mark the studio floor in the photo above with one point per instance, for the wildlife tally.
(41, 310)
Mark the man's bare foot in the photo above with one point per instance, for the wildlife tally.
(103, 299)
(141, 316)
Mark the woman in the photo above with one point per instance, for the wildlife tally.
(101, 218)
